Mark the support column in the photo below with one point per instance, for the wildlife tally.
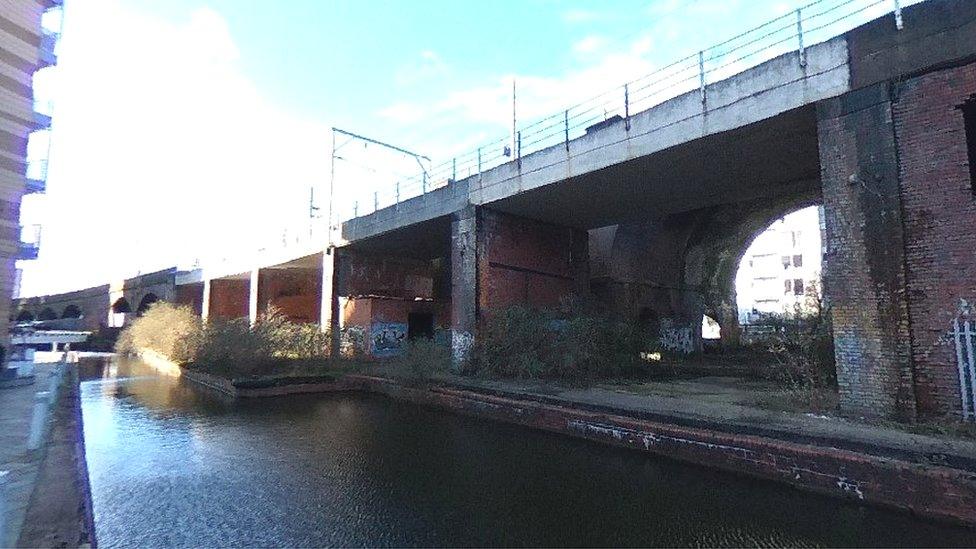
(464, 283)
(864, 274)
(329, 309)
(253, 290)
(205, 308)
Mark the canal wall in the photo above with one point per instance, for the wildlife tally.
(934, 491)
(60, 512)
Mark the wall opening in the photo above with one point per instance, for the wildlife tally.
(146, 302)
(71, 311)
(121, 306)
(710, 328)
(25, 316)
(420, 325)
(47, 314)
(969, 119)
(779, 275)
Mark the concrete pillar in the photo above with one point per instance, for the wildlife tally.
(329, 309)
(864, 274)
(205, 308)
(254, 289)
(464, 276)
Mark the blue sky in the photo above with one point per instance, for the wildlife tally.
(192, 129)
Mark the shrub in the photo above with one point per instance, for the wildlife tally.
(583, 346)
(802, 348)
(422, 358)
(235, 347)
(170, 330)
(229, 347)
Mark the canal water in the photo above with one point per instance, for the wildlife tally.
(172, 465)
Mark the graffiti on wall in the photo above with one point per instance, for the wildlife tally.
(676, 338)
(386, 338)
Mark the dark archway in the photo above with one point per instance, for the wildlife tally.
(47, 314)
(683, 266)
(25, 316)
(121, 305)
(71, 311)
(146, 302)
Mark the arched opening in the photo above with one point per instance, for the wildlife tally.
(710, 329)
(779, 274)
(121, 306)
(47, 314)
(146, 302)
(71, 311)
(25, 316)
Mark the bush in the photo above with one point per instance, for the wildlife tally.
(170, 330)
(229, 347)
(802, 349)
(582, 346)
(422, 358)
(235, 347)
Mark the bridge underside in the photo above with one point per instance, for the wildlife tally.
(774, 157)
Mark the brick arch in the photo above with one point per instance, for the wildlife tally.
(715, 251)
(121, 305)
(683, 266)
(146, 301)
(72, 311)
(25, 315)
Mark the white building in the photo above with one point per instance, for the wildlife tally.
(780, 267)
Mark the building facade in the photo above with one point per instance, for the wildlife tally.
(27, 45)
(780, 272)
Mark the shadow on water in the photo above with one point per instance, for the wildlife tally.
(174, 465)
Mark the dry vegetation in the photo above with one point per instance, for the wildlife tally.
(273, 345)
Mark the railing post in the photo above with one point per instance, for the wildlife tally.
(376, 200)
(518, 148)
(479, 159)
(799, 33)
(627, 107)
(899, 23)
(566, 128)
(453, 169)
(398, 192)
(701, 75)
(423, 184)
(355, 208)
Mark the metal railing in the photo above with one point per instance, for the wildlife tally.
(793, 32)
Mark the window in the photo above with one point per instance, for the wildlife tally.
(796, 237)
(788, 286)
(969, 119)
(798, 260)
(786, 261)
(797, 286)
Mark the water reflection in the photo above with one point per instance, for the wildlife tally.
(174, 465)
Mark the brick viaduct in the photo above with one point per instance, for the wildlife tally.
(651, 216)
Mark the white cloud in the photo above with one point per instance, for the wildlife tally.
(426, 66)
(581, 16)
(488, 106)
(589, 44)
(163, 150)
